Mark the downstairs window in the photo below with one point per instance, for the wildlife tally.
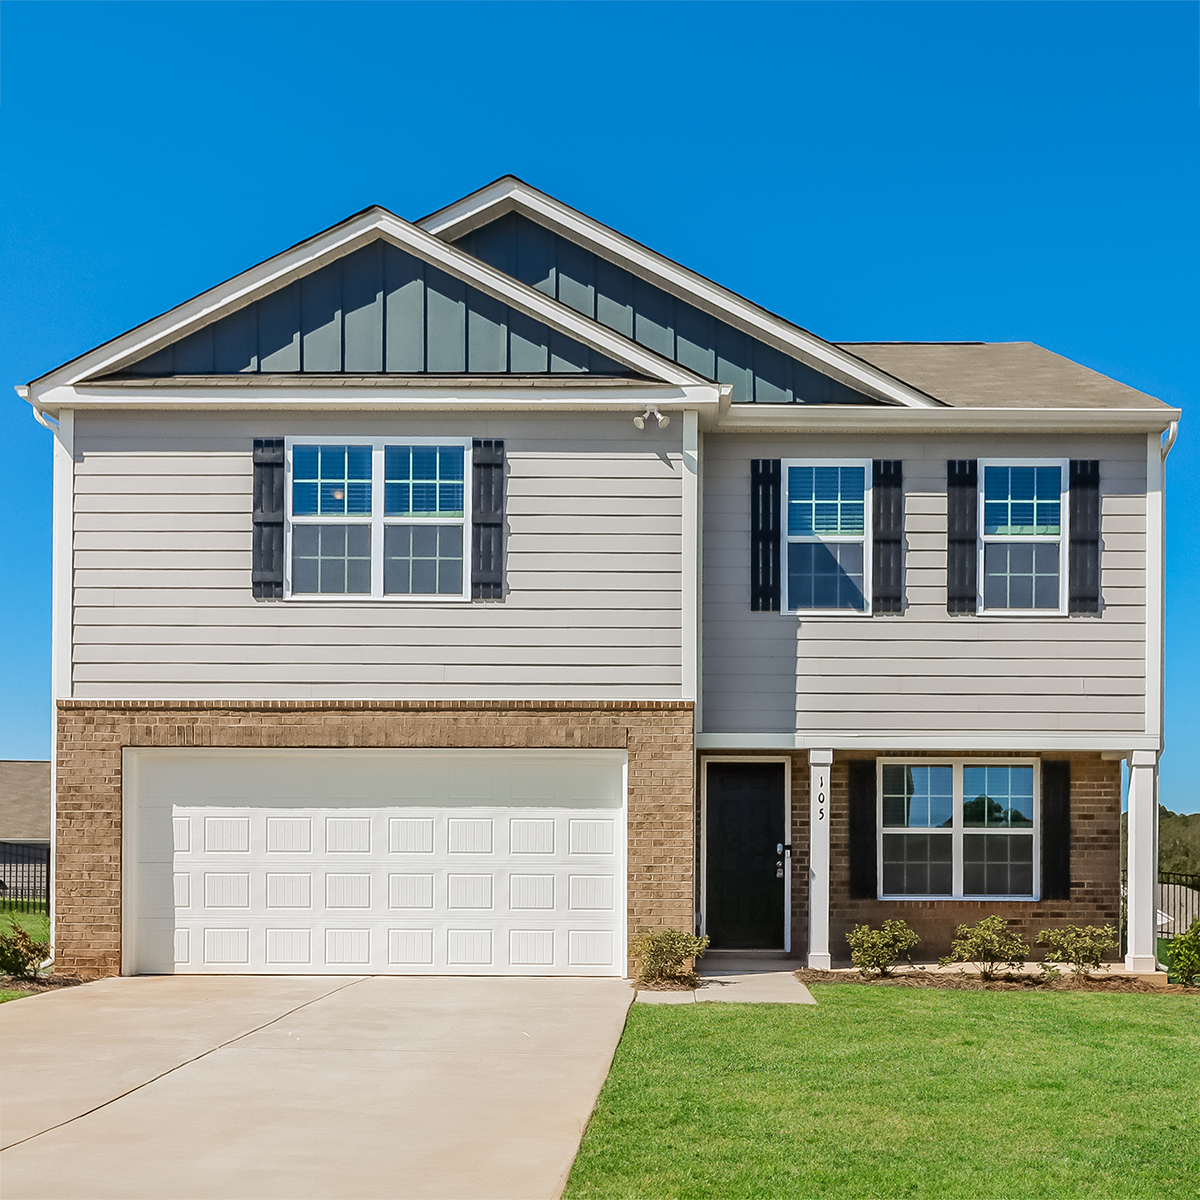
(954, 830)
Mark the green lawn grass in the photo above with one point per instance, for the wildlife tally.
(7, 994)
(881, 1092)
(36, 924)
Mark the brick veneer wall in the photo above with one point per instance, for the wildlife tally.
(1095, 870)
(657, 737)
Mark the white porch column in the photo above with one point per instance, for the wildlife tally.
(1142, 868)
(819, 762)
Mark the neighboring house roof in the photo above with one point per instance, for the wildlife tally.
(24, 800)
(999, 375)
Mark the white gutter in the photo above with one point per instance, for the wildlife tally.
(1172, 434)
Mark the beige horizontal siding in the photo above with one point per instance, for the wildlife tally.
(923, 671)
(162, 558)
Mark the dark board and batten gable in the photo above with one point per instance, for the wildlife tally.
(377, 310)
(650, 316)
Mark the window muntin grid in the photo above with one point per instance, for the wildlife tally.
(422, 560)
(978, 840)
(827, 556)
(1022, 530)
(335, 484)
(1022, 501)
(826, 501)
(423, 481)
(330, 480)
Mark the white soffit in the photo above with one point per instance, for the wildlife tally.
(510, 194)
(342, 239)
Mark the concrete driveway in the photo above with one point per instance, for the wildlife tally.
(201, 1086)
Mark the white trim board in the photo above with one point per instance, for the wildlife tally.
(510, 194)
(1034, 743)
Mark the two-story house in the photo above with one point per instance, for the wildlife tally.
(463, 595)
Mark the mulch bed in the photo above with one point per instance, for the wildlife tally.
(953, 980)
(667, 985)
(43, 983)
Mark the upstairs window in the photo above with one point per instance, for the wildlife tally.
(378, 518)
(828, 557)
(957, 829)
(1023, 515)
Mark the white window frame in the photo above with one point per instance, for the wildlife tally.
(958, 829)
(1063, 538)
(376, 519)
(786, 539)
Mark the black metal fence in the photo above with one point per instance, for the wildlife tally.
(24, 877)
(1178, 902)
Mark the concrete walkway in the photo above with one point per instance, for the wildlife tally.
(739, 979)
(201, 1086)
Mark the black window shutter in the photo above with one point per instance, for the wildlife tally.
(962, 534)
(887, 536)
(1056, 830)
(487, 520)
(864, 882)
(765, 567)
(266, 563)
(1084, 551)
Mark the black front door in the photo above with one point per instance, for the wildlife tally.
(745, 882)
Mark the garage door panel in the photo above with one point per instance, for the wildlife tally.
(532, 888)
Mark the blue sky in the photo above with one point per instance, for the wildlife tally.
(898, 171)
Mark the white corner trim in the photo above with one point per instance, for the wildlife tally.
(335, 243)
(61, 554)
(690, 555)
(509, 194)
(1155, 592)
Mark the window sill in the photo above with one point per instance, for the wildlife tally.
(826, 612)
(361, 598)
(942, 899)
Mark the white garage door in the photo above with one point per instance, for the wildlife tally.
(375, 862)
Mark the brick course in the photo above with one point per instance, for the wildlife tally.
(657, 736)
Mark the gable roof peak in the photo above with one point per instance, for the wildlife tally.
(509, 194)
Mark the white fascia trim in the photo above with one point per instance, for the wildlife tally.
(508, 194)
(317, 252)
(967, 743)
(256, 397)
(855, 418)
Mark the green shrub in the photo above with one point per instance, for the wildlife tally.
(988, 945)
(663, 955)
(1185, 955)
(880, 949)
(20, 955)
(1081, 947)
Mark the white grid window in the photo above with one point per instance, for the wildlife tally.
(378, 518)
(1023, 536)
(826, 507)
(954, 830)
